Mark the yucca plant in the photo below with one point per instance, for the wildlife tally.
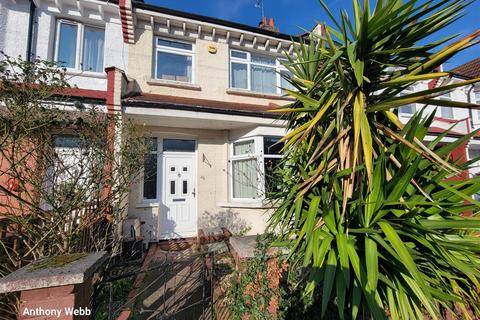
(369, 208)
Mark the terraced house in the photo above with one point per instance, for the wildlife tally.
(201, 88)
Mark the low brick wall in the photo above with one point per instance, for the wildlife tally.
(59, 287)
(63, 302)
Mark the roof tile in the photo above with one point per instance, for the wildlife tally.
(470, 69)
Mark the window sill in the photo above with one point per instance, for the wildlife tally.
(147, 205)
(248, 93)
(89, 74)
(247, 205)
(174, 84)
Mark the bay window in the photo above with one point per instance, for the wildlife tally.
(174, 60)
(253, 167)
(79, 46)
(256, 72)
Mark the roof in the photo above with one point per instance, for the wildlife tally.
(226, 23)
(470, 69)
(192, 104)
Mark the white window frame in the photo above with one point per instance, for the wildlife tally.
(189, 53)
(260, 157)
(476, 97)
(80, 43)
(408, 91)
(278, 67)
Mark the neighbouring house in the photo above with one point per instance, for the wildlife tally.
(471, 70)
(201, 88)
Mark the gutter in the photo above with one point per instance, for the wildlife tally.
(31, 22)
(469, 97)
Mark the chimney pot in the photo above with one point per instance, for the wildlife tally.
(268, 24)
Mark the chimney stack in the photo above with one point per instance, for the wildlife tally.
(268, 24)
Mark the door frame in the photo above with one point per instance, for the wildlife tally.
(163, 181)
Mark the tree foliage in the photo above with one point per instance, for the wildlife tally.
(66, 166)
(372, 210)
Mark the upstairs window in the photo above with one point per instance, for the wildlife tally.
(408, 109)
(256, 72)
(174, 60)
(446, 112)
(79, 46)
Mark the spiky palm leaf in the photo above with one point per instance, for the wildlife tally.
(368, 207)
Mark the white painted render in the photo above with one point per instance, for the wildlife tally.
(14, 23)
(14, 17)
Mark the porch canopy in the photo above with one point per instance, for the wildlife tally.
(182, 112)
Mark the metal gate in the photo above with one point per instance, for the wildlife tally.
(178, 289)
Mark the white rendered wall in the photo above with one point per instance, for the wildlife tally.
(14, 20)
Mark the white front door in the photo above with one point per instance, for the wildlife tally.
(179, 211)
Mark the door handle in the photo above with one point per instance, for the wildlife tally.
(194, 193)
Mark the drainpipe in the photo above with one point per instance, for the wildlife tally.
(469, 97)
(30, 31)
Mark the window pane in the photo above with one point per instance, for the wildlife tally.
(409, 108)
(271, 145)
(172, 187)
(285, 84)
(65, 141)
(256, 58)
(175, 44)
(239, 54)
(239, 76)
(150, 177)
(446, 112)
(243, 147)
(152, 144)
(272, 177)
(184, 187)
(172, 66)
(477, 97)
(178, 145)
(264, 79)
(474, 153)
(245, 180)
(67, 45)
(93, 49)
(446, 96)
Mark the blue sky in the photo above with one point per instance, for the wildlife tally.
(293, 16)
